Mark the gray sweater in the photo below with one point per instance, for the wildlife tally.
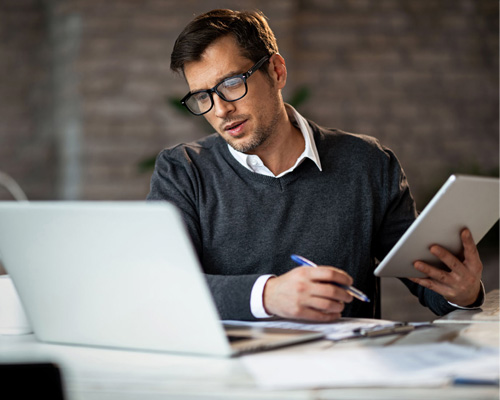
(244, 225)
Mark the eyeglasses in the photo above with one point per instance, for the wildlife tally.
(230, 89)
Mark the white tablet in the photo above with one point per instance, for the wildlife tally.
(462, 202)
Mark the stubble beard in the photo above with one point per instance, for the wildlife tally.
(259, 137)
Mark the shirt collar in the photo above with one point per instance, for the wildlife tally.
(310, 150)
(253, 162)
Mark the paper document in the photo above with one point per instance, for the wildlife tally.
(489, 312)
(338, 330)
(417, 365)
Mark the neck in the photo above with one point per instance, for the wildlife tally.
(282, 149)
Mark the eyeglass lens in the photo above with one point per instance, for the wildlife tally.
(230, 89)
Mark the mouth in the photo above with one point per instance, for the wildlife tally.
(235, 128)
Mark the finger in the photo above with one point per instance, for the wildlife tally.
(331, 292)
(471, 255)
(314, 315)
(331, 274)
(318, 316)
(325, 305)
(433, 273)
(433, 285)
(452, 262)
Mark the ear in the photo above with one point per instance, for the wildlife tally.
(277, 70)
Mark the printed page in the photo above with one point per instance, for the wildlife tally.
(401, 366)
(339, 330)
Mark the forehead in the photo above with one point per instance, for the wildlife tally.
(221, 59)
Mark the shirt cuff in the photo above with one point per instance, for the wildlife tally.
(477, 304)
(257, 297)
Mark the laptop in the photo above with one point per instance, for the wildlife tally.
(122, 275)
(463, 201)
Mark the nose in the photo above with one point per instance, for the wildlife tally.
(222, 108)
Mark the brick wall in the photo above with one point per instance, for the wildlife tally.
(84, 85)
(422, 76)
(26, 143)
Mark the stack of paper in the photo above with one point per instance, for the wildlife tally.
(417, 365)
(341, 329)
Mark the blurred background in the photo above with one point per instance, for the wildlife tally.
(87, 99)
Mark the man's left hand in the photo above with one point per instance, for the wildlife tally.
(462, 284)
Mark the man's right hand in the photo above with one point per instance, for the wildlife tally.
(306, 293)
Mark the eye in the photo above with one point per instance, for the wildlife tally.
(232, 83)
(201, 97)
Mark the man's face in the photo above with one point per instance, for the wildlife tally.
(245, 124)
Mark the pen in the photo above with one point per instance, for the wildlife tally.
(476, 381)
(350, 289)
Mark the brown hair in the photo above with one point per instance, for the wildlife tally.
(250, 29)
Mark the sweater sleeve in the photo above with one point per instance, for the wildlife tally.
(399, 215)
(171, 182)
(177, 182)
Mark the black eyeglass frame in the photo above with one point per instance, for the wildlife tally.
(243, 76)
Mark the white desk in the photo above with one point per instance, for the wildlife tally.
(92, 373)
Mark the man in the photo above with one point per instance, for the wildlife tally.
(270, 184)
